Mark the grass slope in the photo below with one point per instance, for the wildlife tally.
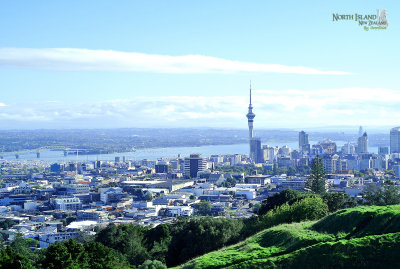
(362, 237)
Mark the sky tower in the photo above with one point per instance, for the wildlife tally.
(250, 117)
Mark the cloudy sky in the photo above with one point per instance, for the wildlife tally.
(94, 64)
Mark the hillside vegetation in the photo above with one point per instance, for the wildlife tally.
(362, 237)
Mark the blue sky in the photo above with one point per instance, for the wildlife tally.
(93, 64)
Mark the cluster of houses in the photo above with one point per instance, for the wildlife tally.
(64, 200)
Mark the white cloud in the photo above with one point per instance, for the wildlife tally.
(72, 59)
(2, 104)
(273, 109)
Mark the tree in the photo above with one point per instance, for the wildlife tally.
(256, 207)
(102, 257)
(291, 171)
(275, 168)
(196, 236)
(149, 264)
(204, 208)
(149, 196)
(11, 258)
(66, 254)
(338, 200)
(391, 194)
(157, 241)
(23, 247)
(310, 208)
(129, 239)
(286, 196)
(372, 195)
(388, 194)
(229, 182)
(6, 224)
(317, 180)
(57, 256)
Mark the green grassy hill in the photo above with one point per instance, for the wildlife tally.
(362, 237)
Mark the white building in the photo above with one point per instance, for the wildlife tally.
(250, 194)
(78, 187)
(177, 211)
(47, 239)
(30, 205)
(67, 203)
(106, 192)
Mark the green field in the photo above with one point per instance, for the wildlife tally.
(361, 237)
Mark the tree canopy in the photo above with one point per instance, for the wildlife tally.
(317, 180)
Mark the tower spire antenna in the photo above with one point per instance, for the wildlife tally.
(250, 92)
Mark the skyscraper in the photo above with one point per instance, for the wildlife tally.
(304, 143)
(193, 164)
(256, 153)
(395, 140)
(362, 146)
(360, 131)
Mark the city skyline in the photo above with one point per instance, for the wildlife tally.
(102, 65)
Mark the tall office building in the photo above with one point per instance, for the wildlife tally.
(383, 150)
(348, 148)
(362, 146)
(328, 146)
(360, 131)
(256, 153)
(395, 140)
(304, 143)
(193, 164)
(269, 153)
(162, 167)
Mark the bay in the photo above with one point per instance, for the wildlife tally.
(156, 153)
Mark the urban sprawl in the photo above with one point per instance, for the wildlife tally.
(56, 201)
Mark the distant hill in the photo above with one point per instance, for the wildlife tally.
(362, 237)
(124, 139)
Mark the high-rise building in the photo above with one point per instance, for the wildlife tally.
(348, 148)
(331, 163)
(304, 143)
(162, 167)
(362, 146)
(395, 140)
(383, 150)
(396, 169)
(235, 159)
(256, 153)
(175, 164)
(360, 131)
(328, 146)
(193, 164)
(269, 153)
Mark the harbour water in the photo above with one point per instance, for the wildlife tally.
(155, 153)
